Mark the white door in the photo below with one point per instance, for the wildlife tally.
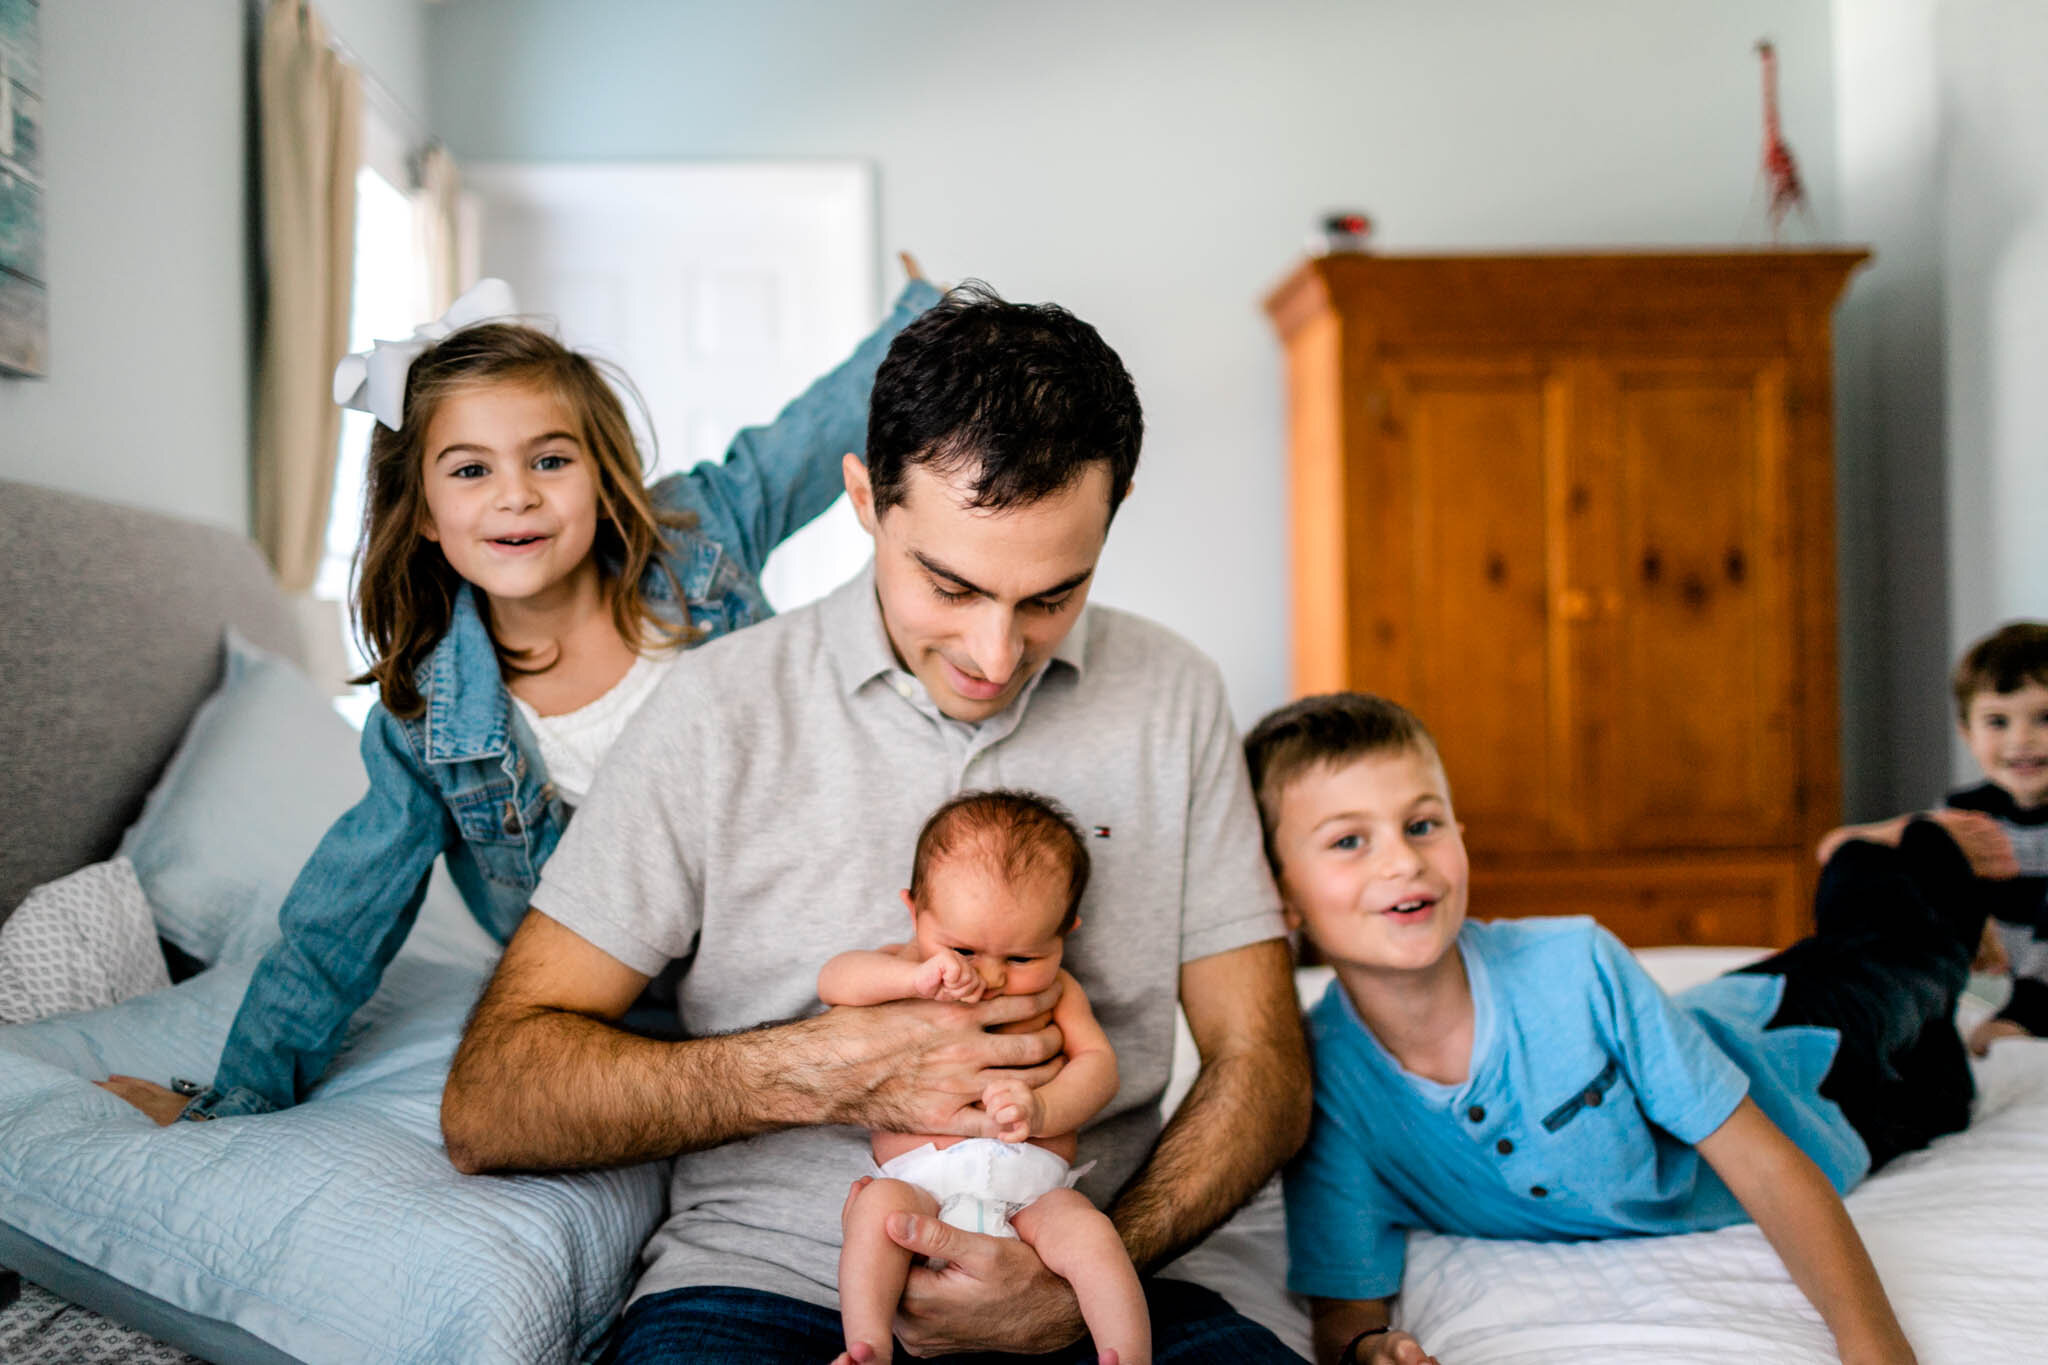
(720, 288)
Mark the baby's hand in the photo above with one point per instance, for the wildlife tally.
(943, 976)
(1014, 1107)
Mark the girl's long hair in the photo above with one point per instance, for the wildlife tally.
(405, 589)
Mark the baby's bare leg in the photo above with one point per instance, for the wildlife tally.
(872, 1269)
(1079, 1244)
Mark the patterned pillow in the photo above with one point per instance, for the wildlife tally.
(79, 943)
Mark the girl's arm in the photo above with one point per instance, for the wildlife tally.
(1803, 1219)
(1337, 1322)
(1070, 1099)
(776, 478)
(345, 918)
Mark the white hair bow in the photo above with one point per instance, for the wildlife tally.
(373, 381)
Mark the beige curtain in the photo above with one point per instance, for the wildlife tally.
(439, 227)
(310, 110)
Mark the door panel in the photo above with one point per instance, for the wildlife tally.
(1697, 748)
(1479, 445)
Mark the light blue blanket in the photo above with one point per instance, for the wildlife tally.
(336, 1231)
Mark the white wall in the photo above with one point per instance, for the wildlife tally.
(147, 399)
(1156, 165)
(151, 248)
(1892, 493)
(1994, 223)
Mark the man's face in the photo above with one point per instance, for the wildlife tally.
(975, 601)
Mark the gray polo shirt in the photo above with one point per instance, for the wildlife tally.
(758, 816)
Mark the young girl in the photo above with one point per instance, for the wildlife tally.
(522, 591)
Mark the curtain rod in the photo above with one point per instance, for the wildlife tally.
(375, 90)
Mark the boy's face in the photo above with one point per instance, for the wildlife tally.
(2007, 733)
(1008, 932)
(1372, 863)
(975, 601)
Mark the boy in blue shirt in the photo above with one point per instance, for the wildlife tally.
(1527, 1079)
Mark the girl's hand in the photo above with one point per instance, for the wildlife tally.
(160, 1102)
(943, 976)
(1013, 1107)
(1990, 1031)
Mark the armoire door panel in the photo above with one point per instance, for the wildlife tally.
(1698, 746)
(1480, 447)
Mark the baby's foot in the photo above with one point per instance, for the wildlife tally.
(860, 1353)
(1107, 1358)
(1984, 844)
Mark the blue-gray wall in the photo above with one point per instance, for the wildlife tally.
(1157, 165)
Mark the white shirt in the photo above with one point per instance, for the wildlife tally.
(573, 744)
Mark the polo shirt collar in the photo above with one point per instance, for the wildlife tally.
(859, 642)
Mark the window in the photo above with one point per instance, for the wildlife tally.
(388, 301)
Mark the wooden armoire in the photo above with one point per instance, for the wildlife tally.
(1577, 512)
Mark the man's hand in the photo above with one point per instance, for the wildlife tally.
(160, 1102)
(1013, 1107)
(943, 976)
(1990, 1031)
(949, 1310)
(921, 1066)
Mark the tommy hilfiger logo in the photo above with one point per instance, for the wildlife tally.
(1101, 831)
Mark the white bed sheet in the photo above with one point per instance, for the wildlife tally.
(1959, 1234)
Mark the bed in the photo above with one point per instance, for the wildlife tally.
(339, 1233)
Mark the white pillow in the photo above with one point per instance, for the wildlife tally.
(79, 943)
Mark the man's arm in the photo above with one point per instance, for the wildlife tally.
(1247, 1113)
(543, 1081)
(1803, 1219)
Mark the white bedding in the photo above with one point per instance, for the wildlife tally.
(1959, 1233)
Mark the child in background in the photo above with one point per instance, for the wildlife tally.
(1527, 1079)
(995, 887)
(2001, 692)
(521, 591)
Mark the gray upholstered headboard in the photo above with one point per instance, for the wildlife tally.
(111, 639)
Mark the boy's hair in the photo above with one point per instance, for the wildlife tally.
(1023, 396)
(1333, 728)
(2004, 661)
(405, 589)
(1020, 833)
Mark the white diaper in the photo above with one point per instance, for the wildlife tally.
(980, 1182)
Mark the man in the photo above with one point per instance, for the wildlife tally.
(758, 816)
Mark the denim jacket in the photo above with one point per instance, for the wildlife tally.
(465, 778)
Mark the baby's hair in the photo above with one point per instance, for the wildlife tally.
(1333, 728)
(1020, 833)
(405, 589)
(2004, 661)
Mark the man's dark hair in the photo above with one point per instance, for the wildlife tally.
(1336, 727)
(2004, 661)
(1019, 832)
(1022, 396)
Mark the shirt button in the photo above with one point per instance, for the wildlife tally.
(1539, 1192)
(1476, 1114)
(1503, 1146)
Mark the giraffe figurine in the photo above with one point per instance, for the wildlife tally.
(1780, 171)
